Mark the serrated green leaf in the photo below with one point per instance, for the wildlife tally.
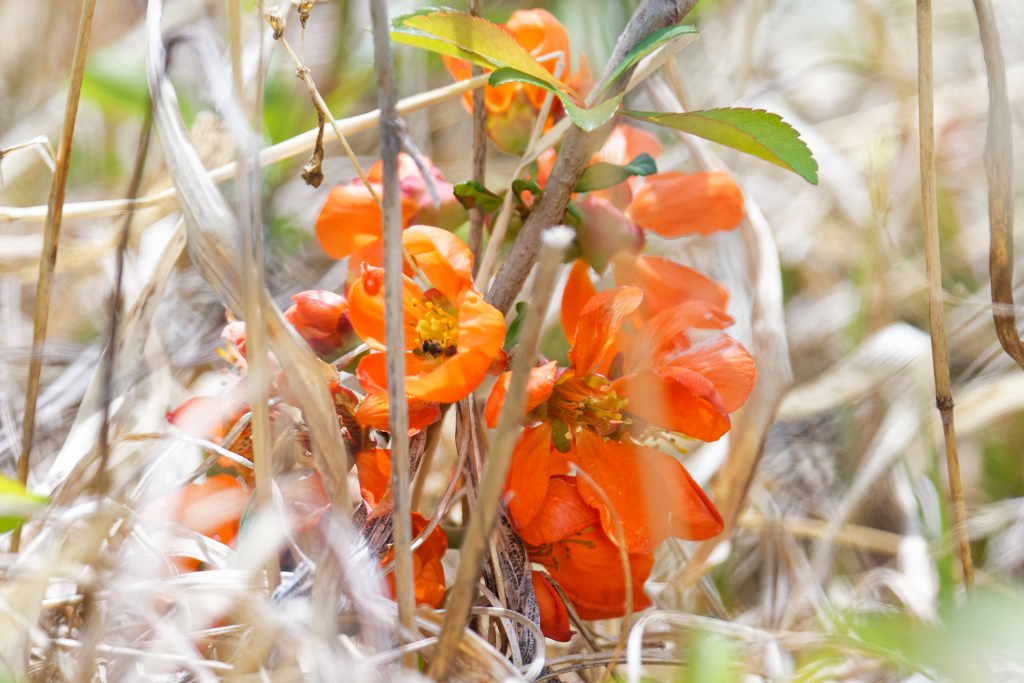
(587, 119)
(752, 131)
(473, 195)
(603, 174)
(482, 38)
(645, 47)
(515, 327)
(16, 504)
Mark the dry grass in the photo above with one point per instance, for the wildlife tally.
(840, 563)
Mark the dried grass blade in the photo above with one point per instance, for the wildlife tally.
(486, 512)
(51, 232)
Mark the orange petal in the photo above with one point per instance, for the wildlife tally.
(667, 334)
(305, 501)
(444, 259)
(366, 307)
(350, 219)
(599, 321)
(578, 291)
(538, 387)
(665, 283)
(374, 469)
(674, 204)
(374, 413)
(452, 380)
(627, 143)
(563, 513)
(481, 326)
(677, 399)
(728, 366)
(214, 508)
(527, 482)
(652, 494)
(554, 617)
(588, 567)
(541, 34)
(372, 370)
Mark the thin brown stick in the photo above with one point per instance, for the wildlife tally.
(433, 439)
(481, 524)
(999, 172)
(51, 233)
(394, 323)
(933, 266)
(476, 216)
(303, 72)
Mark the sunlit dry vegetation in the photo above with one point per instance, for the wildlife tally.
(702, 312)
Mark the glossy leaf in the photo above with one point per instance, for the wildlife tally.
(753, 131)
(587, 119)
(645, 47)
(16, 504)
(471, 35)
(473, 195)
(602, 174)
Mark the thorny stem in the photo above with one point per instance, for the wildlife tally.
(51, 232)
(394, 334)
(481, 524)
(476, 216)
(933, 266)
(321, 106)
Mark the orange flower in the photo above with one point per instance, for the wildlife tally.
(428, 572)
(211, 418)
(350, 221)
(511, 108)
(451, 335)
(588, 567)
(581, 418)
(554, 617)
(321, 318)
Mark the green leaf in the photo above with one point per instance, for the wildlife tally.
(473, 195)
(753, 131)
(520, 185)
(516, 326)
(480, 37)
(602, 174)
(587, 119)
(645, 47)
(16, 504)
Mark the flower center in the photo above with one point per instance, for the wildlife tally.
(438, 330)
(587, 401)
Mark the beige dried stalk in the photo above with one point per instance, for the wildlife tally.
(51, 233)
(485, 514)
(933, 266)
(476, 216)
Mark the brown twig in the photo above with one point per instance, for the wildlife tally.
(51, 233)
(999, 171)
(303, 72)
(650, 16)
(933, 266)
(433, 439)
(485, 514)
(476, 216)
(394, 333)
(110, 363)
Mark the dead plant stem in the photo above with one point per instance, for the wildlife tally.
(933, 266)
(394, 322)
(476, 216)
(51, 233)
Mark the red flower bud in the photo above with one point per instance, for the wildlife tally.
(321, 318)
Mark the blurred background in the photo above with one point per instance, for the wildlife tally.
(854, 460)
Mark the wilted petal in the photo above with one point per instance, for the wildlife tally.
(554, 617)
